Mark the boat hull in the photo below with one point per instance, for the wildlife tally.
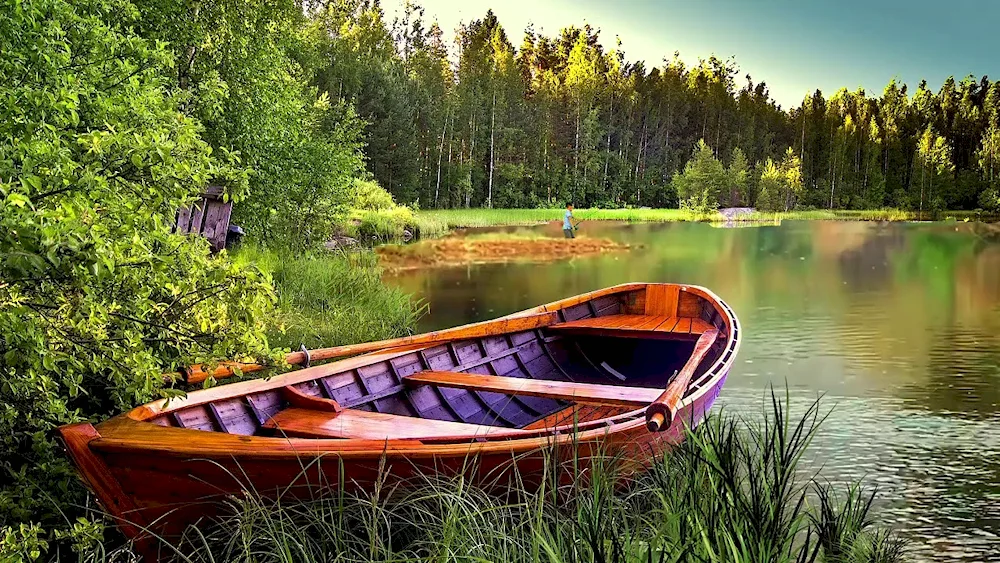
(156, 480)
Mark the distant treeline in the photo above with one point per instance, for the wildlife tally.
(560, 118)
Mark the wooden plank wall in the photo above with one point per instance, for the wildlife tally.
(208, 218)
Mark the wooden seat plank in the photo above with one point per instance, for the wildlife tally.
(646, 323)
(587, 393)
(364, 425)
(637, 326)
(667, 325)
(699, 326)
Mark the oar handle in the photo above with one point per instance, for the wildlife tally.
(504, 325)
(661, 412)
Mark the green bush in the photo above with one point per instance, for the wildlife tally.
(97, 298)
(367, 195)
(989, 200)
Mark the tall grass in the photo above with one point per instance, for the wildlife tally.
(464, 218)
(887, 214)
(392, 224)
(327, 299)
(734, 491)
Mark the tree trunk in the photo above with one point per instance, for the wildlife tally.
(444, 130)
(493, 124)
(576, 154)
(607, 156)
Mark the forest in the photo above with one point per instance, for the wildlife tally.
(479, 122)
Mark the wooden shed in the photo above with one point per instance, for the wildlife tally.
(208, 217)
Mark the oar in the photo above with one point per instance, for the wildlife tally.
(661, 412)
(504, 325)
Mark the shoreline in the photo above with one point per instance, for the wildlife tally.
(481, 217)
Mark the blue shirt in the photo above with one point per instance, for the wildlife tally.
(566, 223)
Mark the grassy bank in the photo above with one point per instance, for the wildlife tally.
(491, 248)
(732, 492)
(328, 299)
(464, 218)
(389, 225)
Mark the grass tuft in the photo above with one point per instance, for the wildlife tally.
(328, 299)
(733, 491)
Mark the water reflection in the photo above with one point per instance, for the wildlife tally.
(898, 325)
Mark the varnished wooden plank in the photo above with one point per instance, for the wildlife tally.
(362, 425)
(661, 300)
(699, 326)
(645, 323)
(660, 414)
(504, 325)
(587, 393)
(632, 326)
(298, 399)
(689, 305)
(667, 325)
(577, 299)
(99, 479)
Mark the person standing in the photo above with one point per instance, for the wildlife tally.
(568, 227)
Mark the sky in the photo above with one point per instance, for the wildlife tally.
(795, 46)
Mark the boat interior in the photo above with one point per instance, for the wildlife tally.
(601, 362)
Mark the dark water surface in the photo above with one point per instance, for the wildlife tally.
(897, 326)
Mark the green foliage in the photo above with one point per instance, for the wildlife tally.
(990, 200)
(701, 184)
(301, 189)
(770, 188)
(331, 298)
(561, 118)
(97, 298)
(936, 170)
(242, 69)
(738, 177)
(367, 195)
(375, 217)
(780, 184)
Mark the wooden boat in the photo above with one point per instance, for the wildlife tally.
(594, 371)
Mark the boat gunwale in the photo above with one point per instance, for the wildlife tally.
(125, 433)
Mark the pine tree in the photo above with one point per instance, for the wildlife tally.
(738, 179)
(771, 187)
(702, 181)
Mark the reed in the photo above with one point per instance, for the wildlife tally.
(734, 491)
(332, 298)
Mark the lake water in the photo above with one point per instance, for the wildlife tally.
(897, 326)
